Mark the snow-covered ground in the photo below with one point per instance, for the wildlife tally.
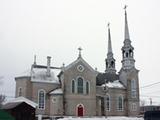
(103, 118)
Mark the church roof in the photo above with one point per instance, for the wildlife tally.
(114, 84)
(105, 77)
(39, 74)
(56, 91)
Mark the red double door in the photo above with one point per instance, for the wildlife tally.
(80, 111)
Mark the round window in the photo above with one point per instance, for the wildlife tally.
(80, 68)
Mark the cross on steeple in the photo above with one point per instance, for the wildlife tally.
(34, 60)
(110, 61)
(80, 49)
(108, 24)
(125, 7)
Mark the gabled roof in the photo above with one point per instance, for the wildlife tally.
(16, 101)
(79, 59)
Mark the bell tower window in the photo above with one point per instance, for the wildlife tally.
(112, 64)
(130, 53)
(127, 54)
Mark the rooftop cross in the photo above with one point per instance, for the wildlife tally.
(34, 59)
(125, 7)
(80, 49)
(108, 25)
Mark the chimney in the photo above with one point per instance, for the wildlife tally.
(48, 66)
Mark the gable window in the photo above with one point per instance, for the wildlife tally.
(87, 87)
(80, 85)
(108, 103)
(41, 99)
(73, 86)
(133, 89)
(120, 103)
(19, 92)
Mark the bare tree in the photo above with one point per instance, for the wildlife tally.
(2, 99)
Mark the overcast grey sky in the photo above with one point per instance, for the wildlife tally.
(58, 27)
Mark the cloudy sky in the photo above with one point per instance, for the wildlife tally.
(58, 27)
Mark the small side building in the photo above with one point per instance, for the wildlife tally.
(21, 109)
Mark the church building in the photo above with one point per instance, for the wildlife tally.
(79, 90)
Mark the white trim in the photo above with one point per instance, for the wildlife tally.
(44, 98)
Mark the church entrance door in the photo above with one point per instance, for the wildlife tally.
(80, 110)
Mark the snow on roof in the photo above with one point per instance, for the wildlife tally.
(114, 84)
(23, 99)
(40, 75)
(57, 91)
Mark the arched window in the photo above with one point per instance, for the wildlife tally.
(127, 54)
(108, 103)
(133, 88)
(133, 107)
(120, 103)
(73, 86)
(130, 53)
(19, 91)
(80, 85)
(87, 87)
(41, 99)
(112, 64)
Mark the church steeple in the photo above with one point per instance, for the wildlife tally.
(127, 49)
(110, 61)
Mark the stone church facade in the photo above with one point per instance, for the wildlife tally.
(79, 90)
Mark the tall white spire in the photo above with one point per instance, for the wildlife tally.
(110, 61)
(127, 49)
(126, 33)
(109, 40)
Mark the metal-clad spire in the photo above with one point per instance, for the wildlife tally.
(126, 34)
(127, 49)
(110, 61)
(109, 40)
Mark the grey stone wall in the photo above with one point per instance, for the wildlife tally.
(73, 99)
